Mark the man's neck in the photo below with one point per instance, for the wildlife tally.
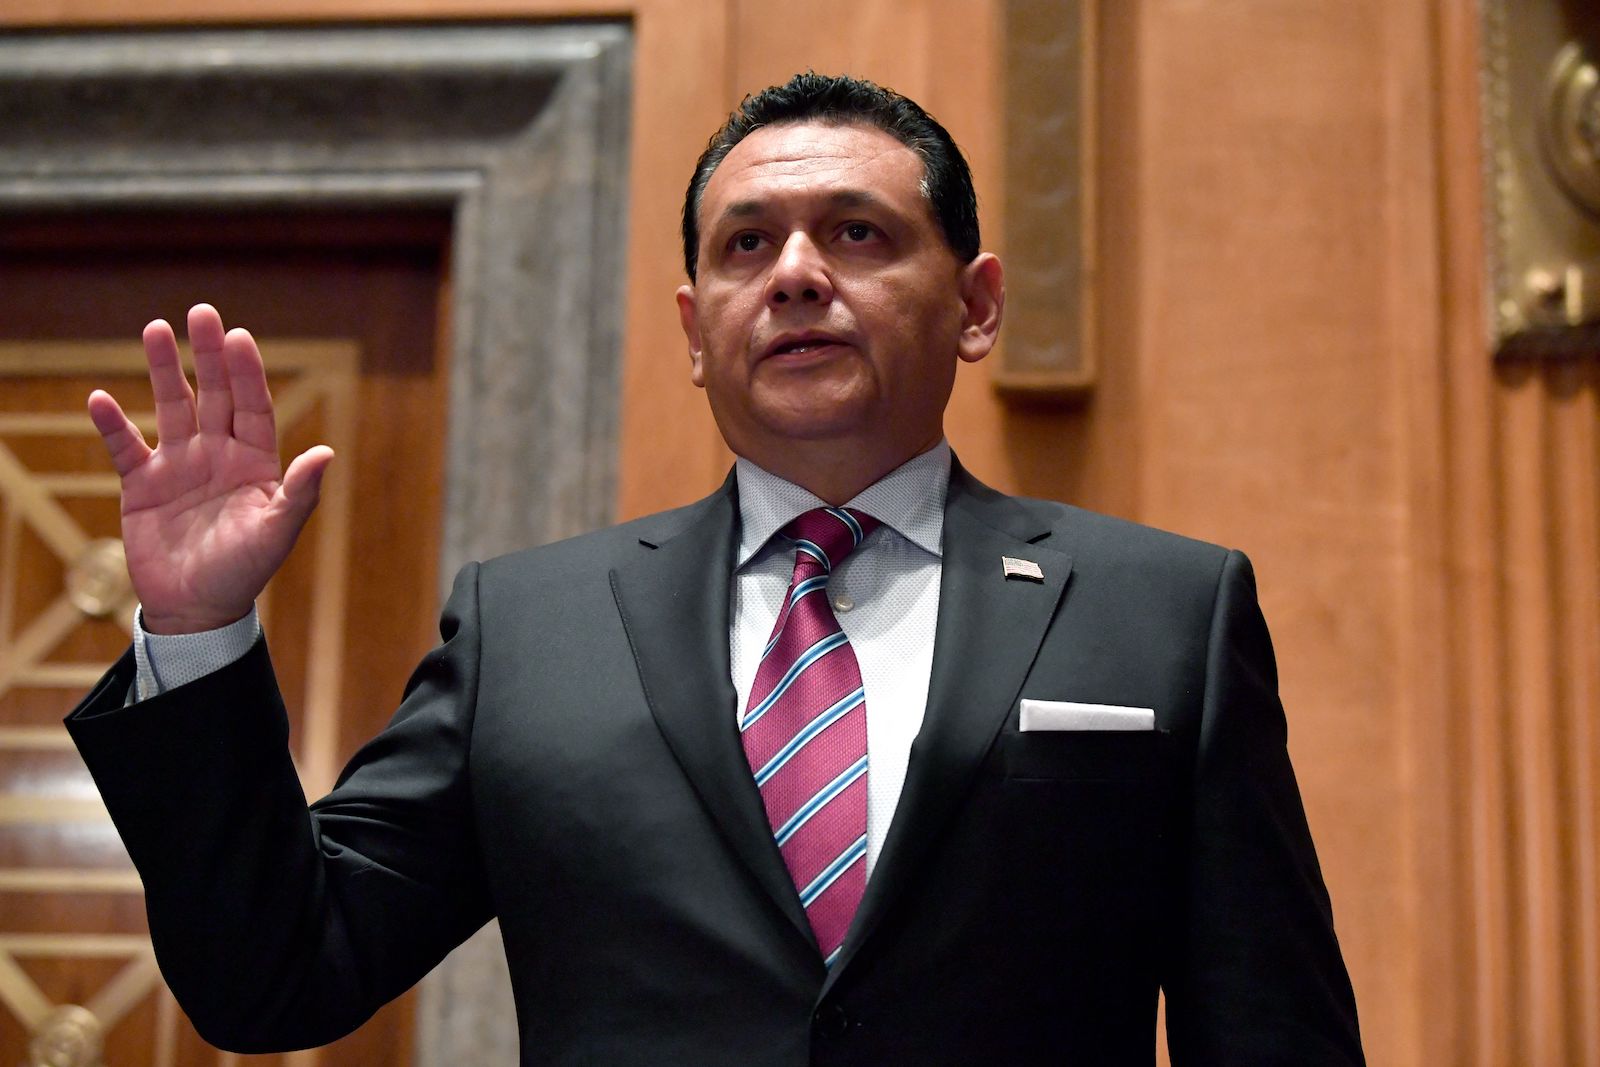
(833, 474)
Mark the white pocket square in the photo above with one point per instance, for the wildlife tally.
(1069, 715)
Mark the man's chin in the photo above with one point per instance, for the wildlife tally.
(823, 411)
(845, 425)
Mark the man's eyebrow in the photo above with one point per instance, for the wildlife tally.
(744, 209)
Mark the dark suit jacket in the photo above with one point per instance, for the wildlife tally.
(568, 760)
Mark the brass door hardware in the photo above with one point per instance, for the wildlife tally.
(1571, 126)
(70, 1036)
(1542, 110)
(97, 581)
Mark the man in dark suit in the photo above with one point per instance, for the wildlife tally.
(855, 761)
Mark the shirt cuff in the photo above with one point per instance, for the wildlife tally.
(166, 661)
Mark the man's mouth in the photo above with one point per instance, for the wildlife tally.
(801, 345)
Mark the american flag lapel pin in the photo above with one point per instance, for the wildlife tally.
(1024, 569)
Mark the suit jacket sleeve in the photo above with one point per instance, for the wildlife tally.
(1255, 975)
(279, 927)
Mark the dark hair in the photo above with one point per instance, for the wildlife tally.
(812, 97)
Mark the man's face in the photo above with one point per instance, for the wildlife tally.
(828, 305)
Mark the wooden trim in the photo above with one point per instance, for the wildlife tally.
(23, 809)
(332, 384)
(1469, 673)
(75, 946)
(126, 990)
(68, 880)
(18, 993)
(36, 738)
(108, 13)
(1515, 680)
(1414, 325)
(670, 451)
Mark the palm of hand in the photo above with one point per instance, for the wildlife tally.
(208, 515)
(197, 522)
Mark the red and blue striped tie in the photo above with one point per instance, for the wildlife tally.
(805, 732)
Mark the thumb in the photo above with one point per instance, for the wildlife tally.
(302, 482)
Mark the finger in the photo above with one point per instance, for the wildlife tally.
(253, 422)
(123, 441)
(302, 482)
(174, 398)
(214, 408)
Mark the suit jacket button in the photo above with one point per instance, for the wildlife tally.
(830, 1020)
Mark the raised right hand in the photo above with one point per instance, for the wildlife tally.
(209, 514)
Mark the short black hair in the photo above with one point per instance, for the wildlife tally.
(812, 97)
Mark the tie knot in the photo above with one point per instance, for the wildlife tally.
(828, 535)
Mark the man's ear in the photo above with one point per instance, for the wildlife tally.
(983, 302)
(691, 332)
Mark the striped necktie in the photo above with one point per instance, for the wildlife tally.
(805, 732)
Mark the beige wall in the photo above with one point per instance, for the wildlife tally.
(1292, 363)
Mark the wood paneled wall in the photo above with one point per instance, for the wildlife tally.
(1517, 453)
(1293, 361)
(1267, 411)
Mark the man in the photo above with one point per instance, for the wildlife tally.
(854, 762)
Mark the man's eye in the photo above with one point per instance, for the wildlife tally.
(858, 231)
(747, 242)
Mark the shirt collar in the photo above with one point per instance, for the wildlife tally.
(909, 499)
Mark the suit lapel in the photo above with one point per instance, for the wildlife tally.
(674, 604)
(988, 633)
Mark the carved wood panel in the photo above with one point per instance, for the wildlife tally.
(78, 979)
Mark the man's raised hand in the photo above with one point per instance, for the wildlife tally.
(209, 514)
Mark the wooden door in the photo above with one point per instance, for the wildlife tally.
(349, 311)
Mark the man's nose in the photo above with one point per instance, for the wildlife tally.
(799, 273)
